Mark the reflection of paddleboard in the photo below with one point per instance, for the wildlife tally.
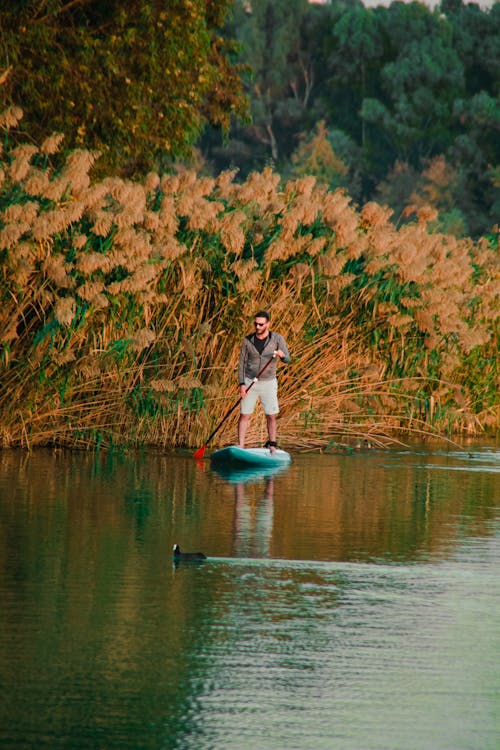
(233, 454)
(240, 474)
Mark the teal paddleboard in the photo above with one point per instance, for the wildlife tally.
(235, 455)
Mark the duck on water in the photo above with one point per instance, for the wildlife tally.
(179, 555)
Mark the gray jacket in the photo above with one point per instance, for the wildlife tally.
(251, 362)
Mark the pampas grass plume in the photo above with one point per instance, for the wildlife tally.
(11, 117)
(52, 144)
(20, 166)
(64, 310)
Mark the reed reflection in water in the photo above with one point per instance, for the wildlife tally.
(350, 602)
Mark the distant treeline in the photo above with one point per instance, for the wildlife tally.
(399, 104)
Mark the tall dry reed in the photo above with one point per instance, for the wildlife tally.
(123, 305)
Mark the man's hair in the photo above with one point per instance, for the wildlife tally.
(262, 314)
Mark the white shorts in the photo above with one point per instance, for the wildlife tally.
(267, 391)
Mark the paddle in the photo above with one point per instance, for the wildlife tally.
(201, 451)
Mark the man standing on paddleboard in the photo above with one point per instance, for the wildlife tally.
(258, 355)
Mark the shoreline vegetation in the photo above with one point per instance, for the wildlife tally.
(123, 304)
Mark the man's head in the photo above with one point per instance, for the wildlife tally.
(261, 322)
(262, 314)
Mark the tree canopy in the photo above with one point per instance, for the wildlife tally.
(136, 79)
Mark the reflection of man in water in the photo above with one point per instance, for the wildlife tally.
(253, 527)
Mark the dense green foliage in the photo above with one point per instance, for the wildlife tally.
(397, 87)
(135, 79)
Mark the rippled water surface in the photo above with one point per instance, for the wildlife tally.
(348, 602)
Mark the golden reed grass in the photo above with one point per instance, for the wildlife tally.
(124, 303)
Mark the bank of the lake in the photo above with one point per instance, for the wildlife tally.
(124, 303)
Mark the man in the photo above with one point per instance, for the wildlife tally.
(256, 350)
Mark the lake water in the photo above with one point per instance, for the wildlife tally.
(350, 602)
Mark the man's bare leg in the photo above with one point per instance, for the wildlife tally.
(271, 430)
(242, 429)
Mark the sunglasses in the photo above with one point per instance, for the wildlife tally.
(260, 325)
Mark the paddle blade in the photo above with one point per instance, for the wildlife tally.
(200, 452)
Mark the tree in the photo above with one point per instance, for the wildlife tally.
(420, 83)
(136, 79)
(271, 40)
(270, 35)
(355, 57)
(315, 156)
(476, 149)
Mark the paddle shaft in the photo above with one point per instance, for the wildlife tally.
(201, 451)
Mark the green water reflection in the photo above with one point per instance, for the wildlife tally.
(104, 643)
